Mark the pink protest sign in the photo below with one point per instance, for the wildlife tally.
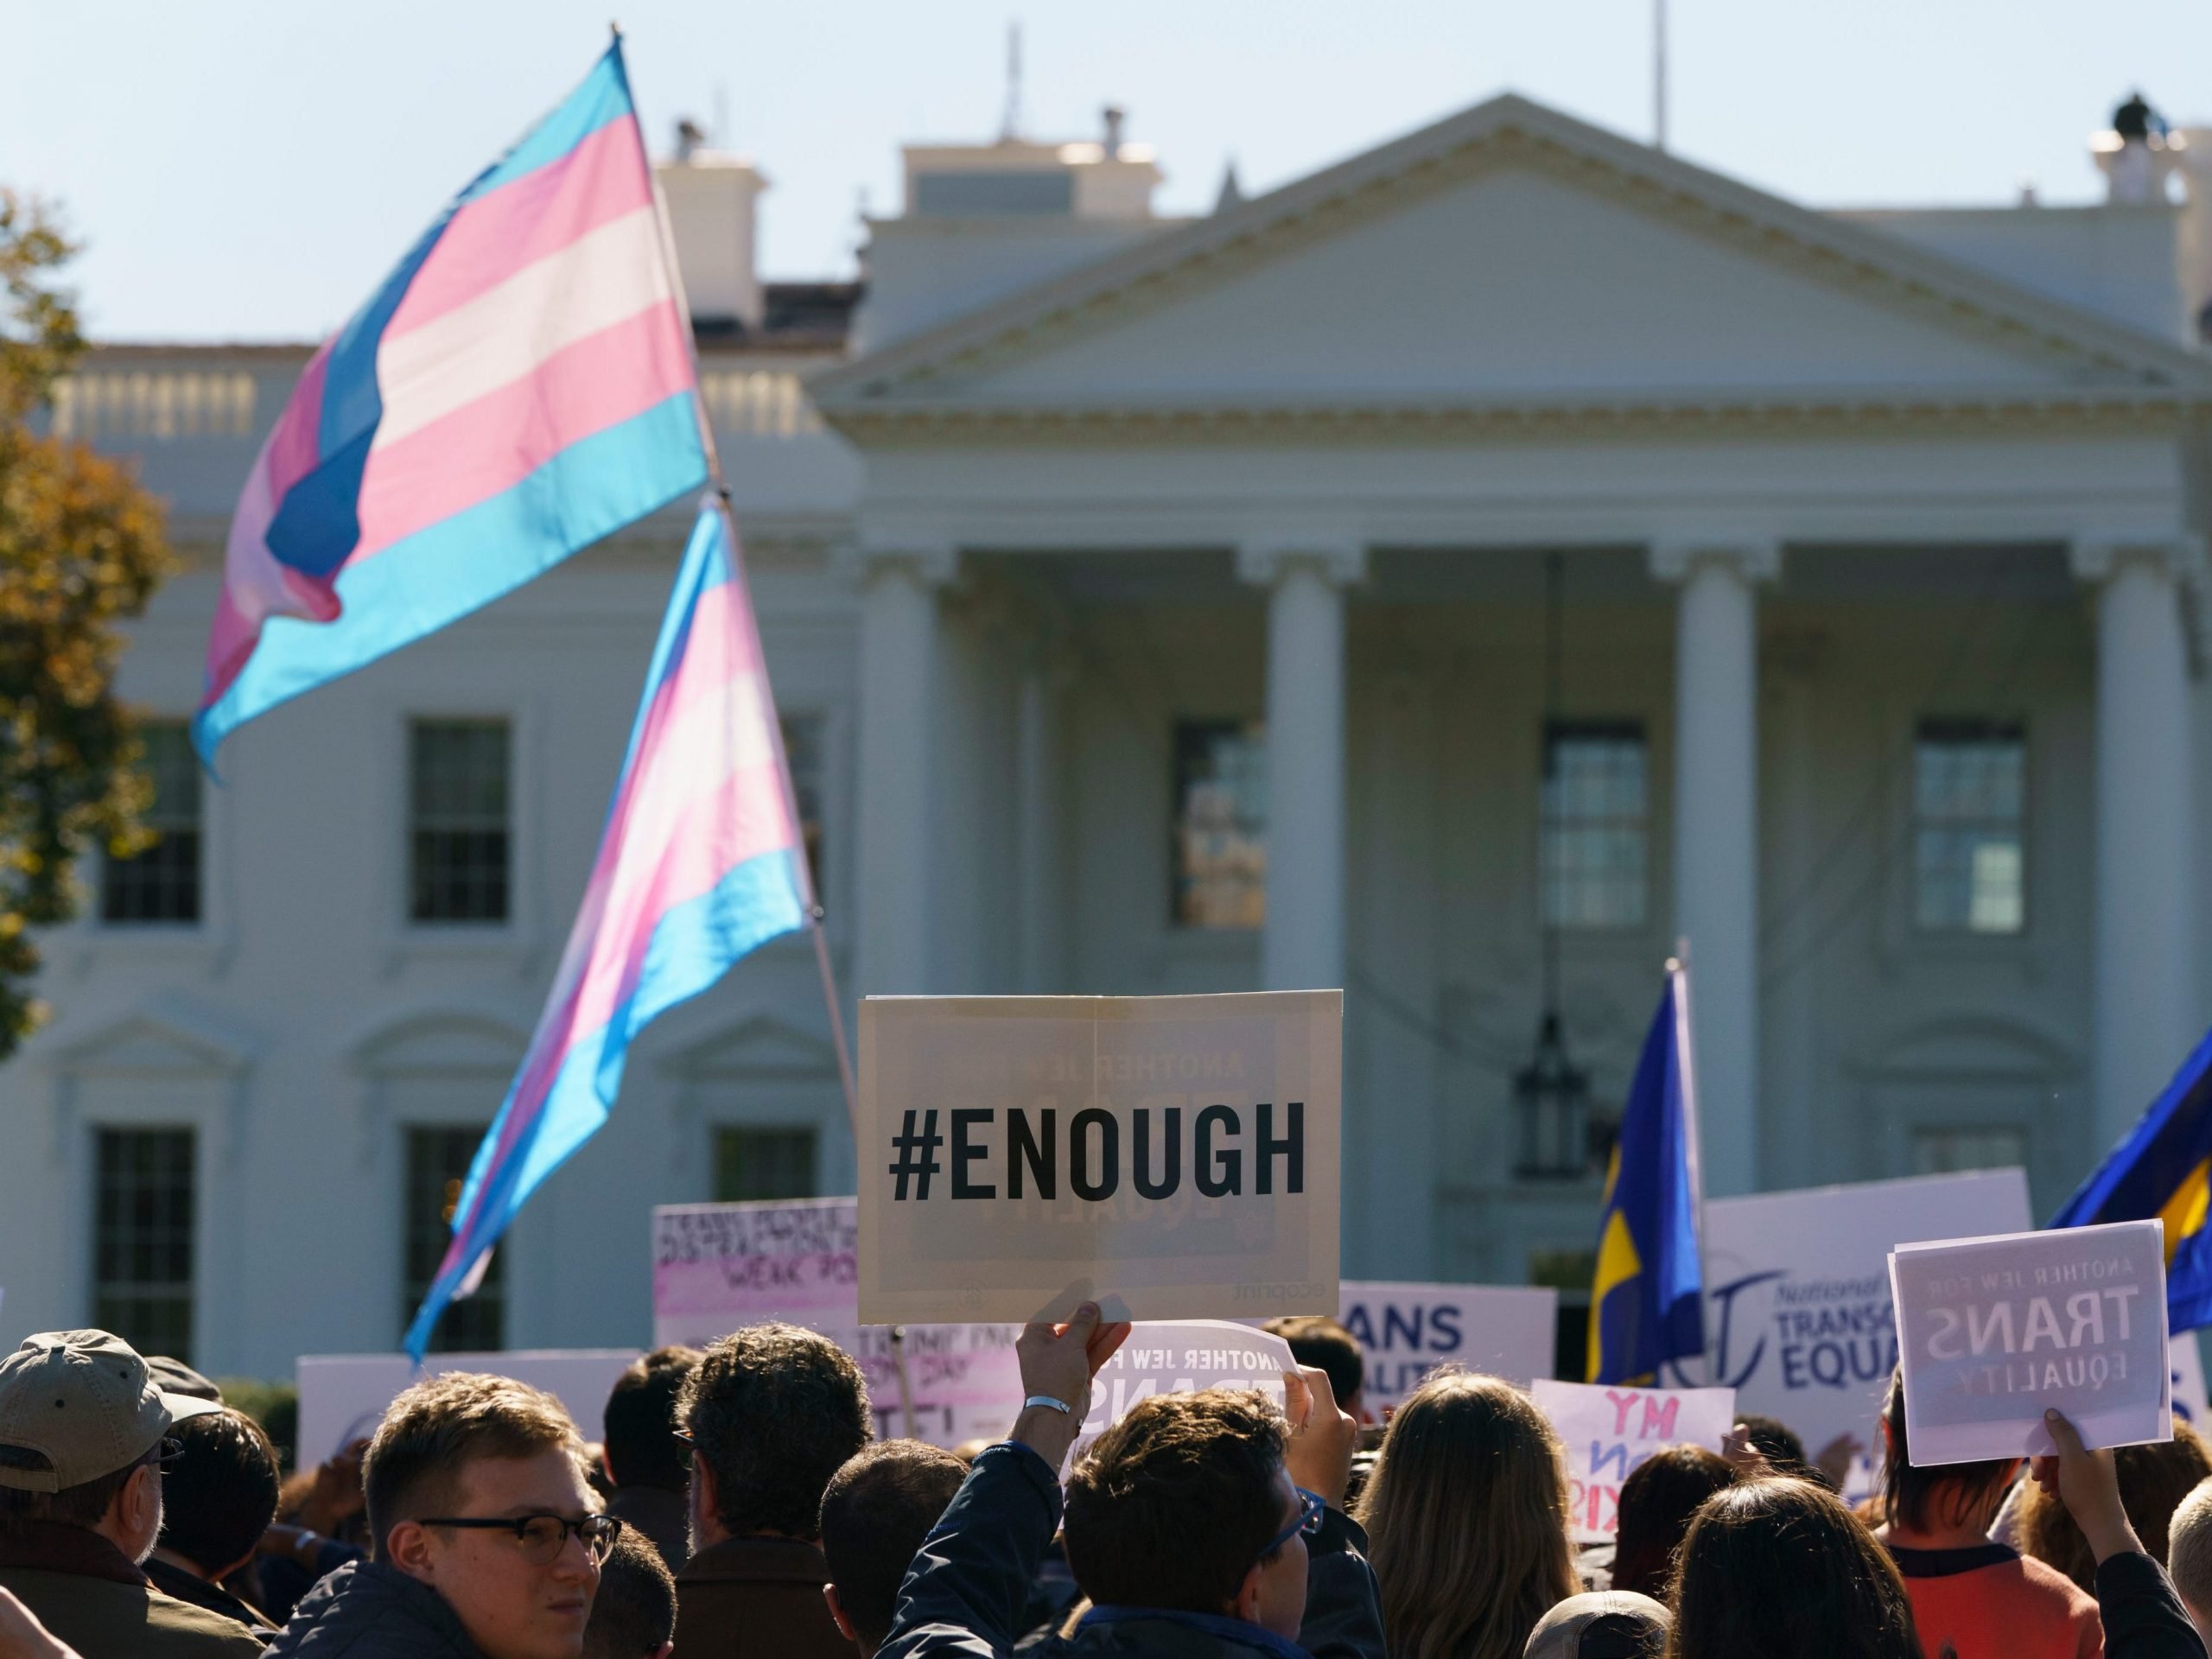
(719, 1266)
(1611, 1429)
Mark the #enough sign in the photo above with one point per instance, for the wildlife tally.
(1172, 1157)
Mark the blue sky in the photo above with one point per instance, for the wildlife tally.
(246, 169)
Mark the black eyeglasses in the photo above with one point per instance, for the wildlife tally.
(165, 1451)
(541, 1537)
(1311, 1509)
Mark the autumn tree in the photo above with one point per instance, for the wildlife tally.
(81, 550)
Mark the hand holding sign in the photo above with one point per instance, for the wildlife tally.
(1057, 1364)
(1323, 1435)
(2088, 1484)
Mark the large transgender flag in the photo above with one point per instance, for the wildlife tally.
(700, 862)
(520, 386)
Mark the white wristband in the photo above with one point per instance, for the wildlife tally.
(1046, 1399)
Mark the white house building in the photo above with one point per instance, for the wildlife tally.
(1512, 535)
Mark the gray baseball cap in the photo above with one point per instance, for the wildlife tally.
(1601, 1625)
(83, 1403)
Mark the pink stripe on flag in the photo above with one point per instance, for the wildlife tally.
(490, 446)
(295, 443)
(491, 239)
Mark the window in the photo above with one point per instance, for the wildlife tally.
(1572, 1273)
(1596, 842)
(763, 1164)
(437, 1166)
(457, 821)
(803, 752)
(143, 1219)
(1953, 1152)
(1969, 789)
(1221, 824)
(163, 883)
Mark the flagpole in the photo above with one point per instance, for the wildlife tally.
(1678, 972)
(720, 486)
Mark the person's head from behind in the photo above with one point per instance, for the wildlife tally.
(2153, 1481)
(476, 1487)
(1602, 1624)
(83, 1431)
(1316, 1339)
(876, 1510)
(1780, 1569)
(771, 1411)
(2188, 1556)
(634, 1615)
(641, 1448)
(1185, 1505)
(1956, 1498)
(1656, 1502)
(1466, 1514)
(220, 1494)
(1775, 1441)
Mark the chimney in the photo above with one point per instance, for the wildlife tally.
(710, 194)
(1114, 116)
(2136, 155)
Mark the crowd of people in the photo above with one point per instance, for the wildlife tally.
(740, 1504)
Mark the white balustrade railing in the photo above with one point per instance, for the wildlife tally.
(157, 403)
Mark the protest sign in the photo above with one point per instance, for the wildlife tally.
(1797, 1290)
(1993, 1331)
(1181, 1357)
(1171, 1157)
(1611, 1430)
(719, 1266)
(343, 1396)
(1408, 1330)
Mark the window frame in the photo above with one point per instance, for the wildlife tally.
(720, 1133)
(412, 724)
(193, 1229)
(1550, 731)
(1963, 934)
(410, 1290)
(105, 870)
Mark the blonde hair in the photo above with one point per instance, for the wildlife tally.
(2189, 1553)
(1466, 1520)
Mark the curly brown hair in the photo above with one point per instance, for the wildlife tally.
(773, 1411)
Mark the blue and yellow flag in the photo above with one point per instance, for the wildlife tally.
(1648, 1305)
(2163, 1169)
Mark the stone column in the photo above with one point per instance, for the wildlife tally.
(2144, 975)
(1303, 948)
(897, 671)
(1716, 851)
(1039, 826)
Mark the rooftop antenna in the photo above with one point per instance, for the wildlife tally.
(1010, 128)
(1659, 73)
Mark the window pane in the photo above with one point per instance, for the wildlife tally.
(1595, 836)
(1220, 856)
(763, 1164)
(163, 883)
(142, 1222)
(437, 1165)
(459, 839)
(1952, 1152)
(803, 745)
(1969, 800)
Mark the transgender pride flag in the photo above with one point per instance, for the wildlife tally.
(520, 386)
(700, 862)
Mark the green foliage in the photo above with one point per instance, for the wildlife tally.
(81, 550)
(275, 1406)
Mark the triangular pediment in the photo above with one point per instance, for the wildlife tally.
(165, 1043)
(1510, 255)
(440, 1043)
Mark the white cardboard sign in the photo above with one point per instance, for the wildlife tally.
(719, 1266)
(1408, 1330)
(1610, 1429)
(1797, 1290)
(1994, 1330)
(343, 1396)
(1171, 1157)
(1182, 1356)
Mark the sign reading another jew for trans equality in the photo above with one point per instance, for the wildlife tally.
(1171, 1157)
(1610, 1430)
(1181, 1357)
(1993, 1331)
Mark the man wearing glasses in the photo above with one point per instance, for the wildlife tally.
(84, 1432)
(485, 1539)
(1204, 1525)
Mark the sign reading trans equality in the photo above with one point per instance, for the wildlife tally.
(1171, 1157)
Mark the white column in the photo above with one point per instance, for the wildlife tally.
(2143, 978)
(1303, 947)
(1716, 849)
(1039, 825)
(897, 649)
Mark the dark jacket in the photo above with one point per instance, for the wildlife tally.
(756, 1598)
(190, 1587)
(90, 1595)
(963, 1596)
(664, 1518)
(2143, 1616)
(369, 1611)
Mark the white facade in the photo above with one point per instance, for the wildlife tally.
(1816, 480)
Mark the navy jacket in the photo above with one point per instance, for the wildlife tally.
(2144, 1618)
(369, 1611)
(964, 1597)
